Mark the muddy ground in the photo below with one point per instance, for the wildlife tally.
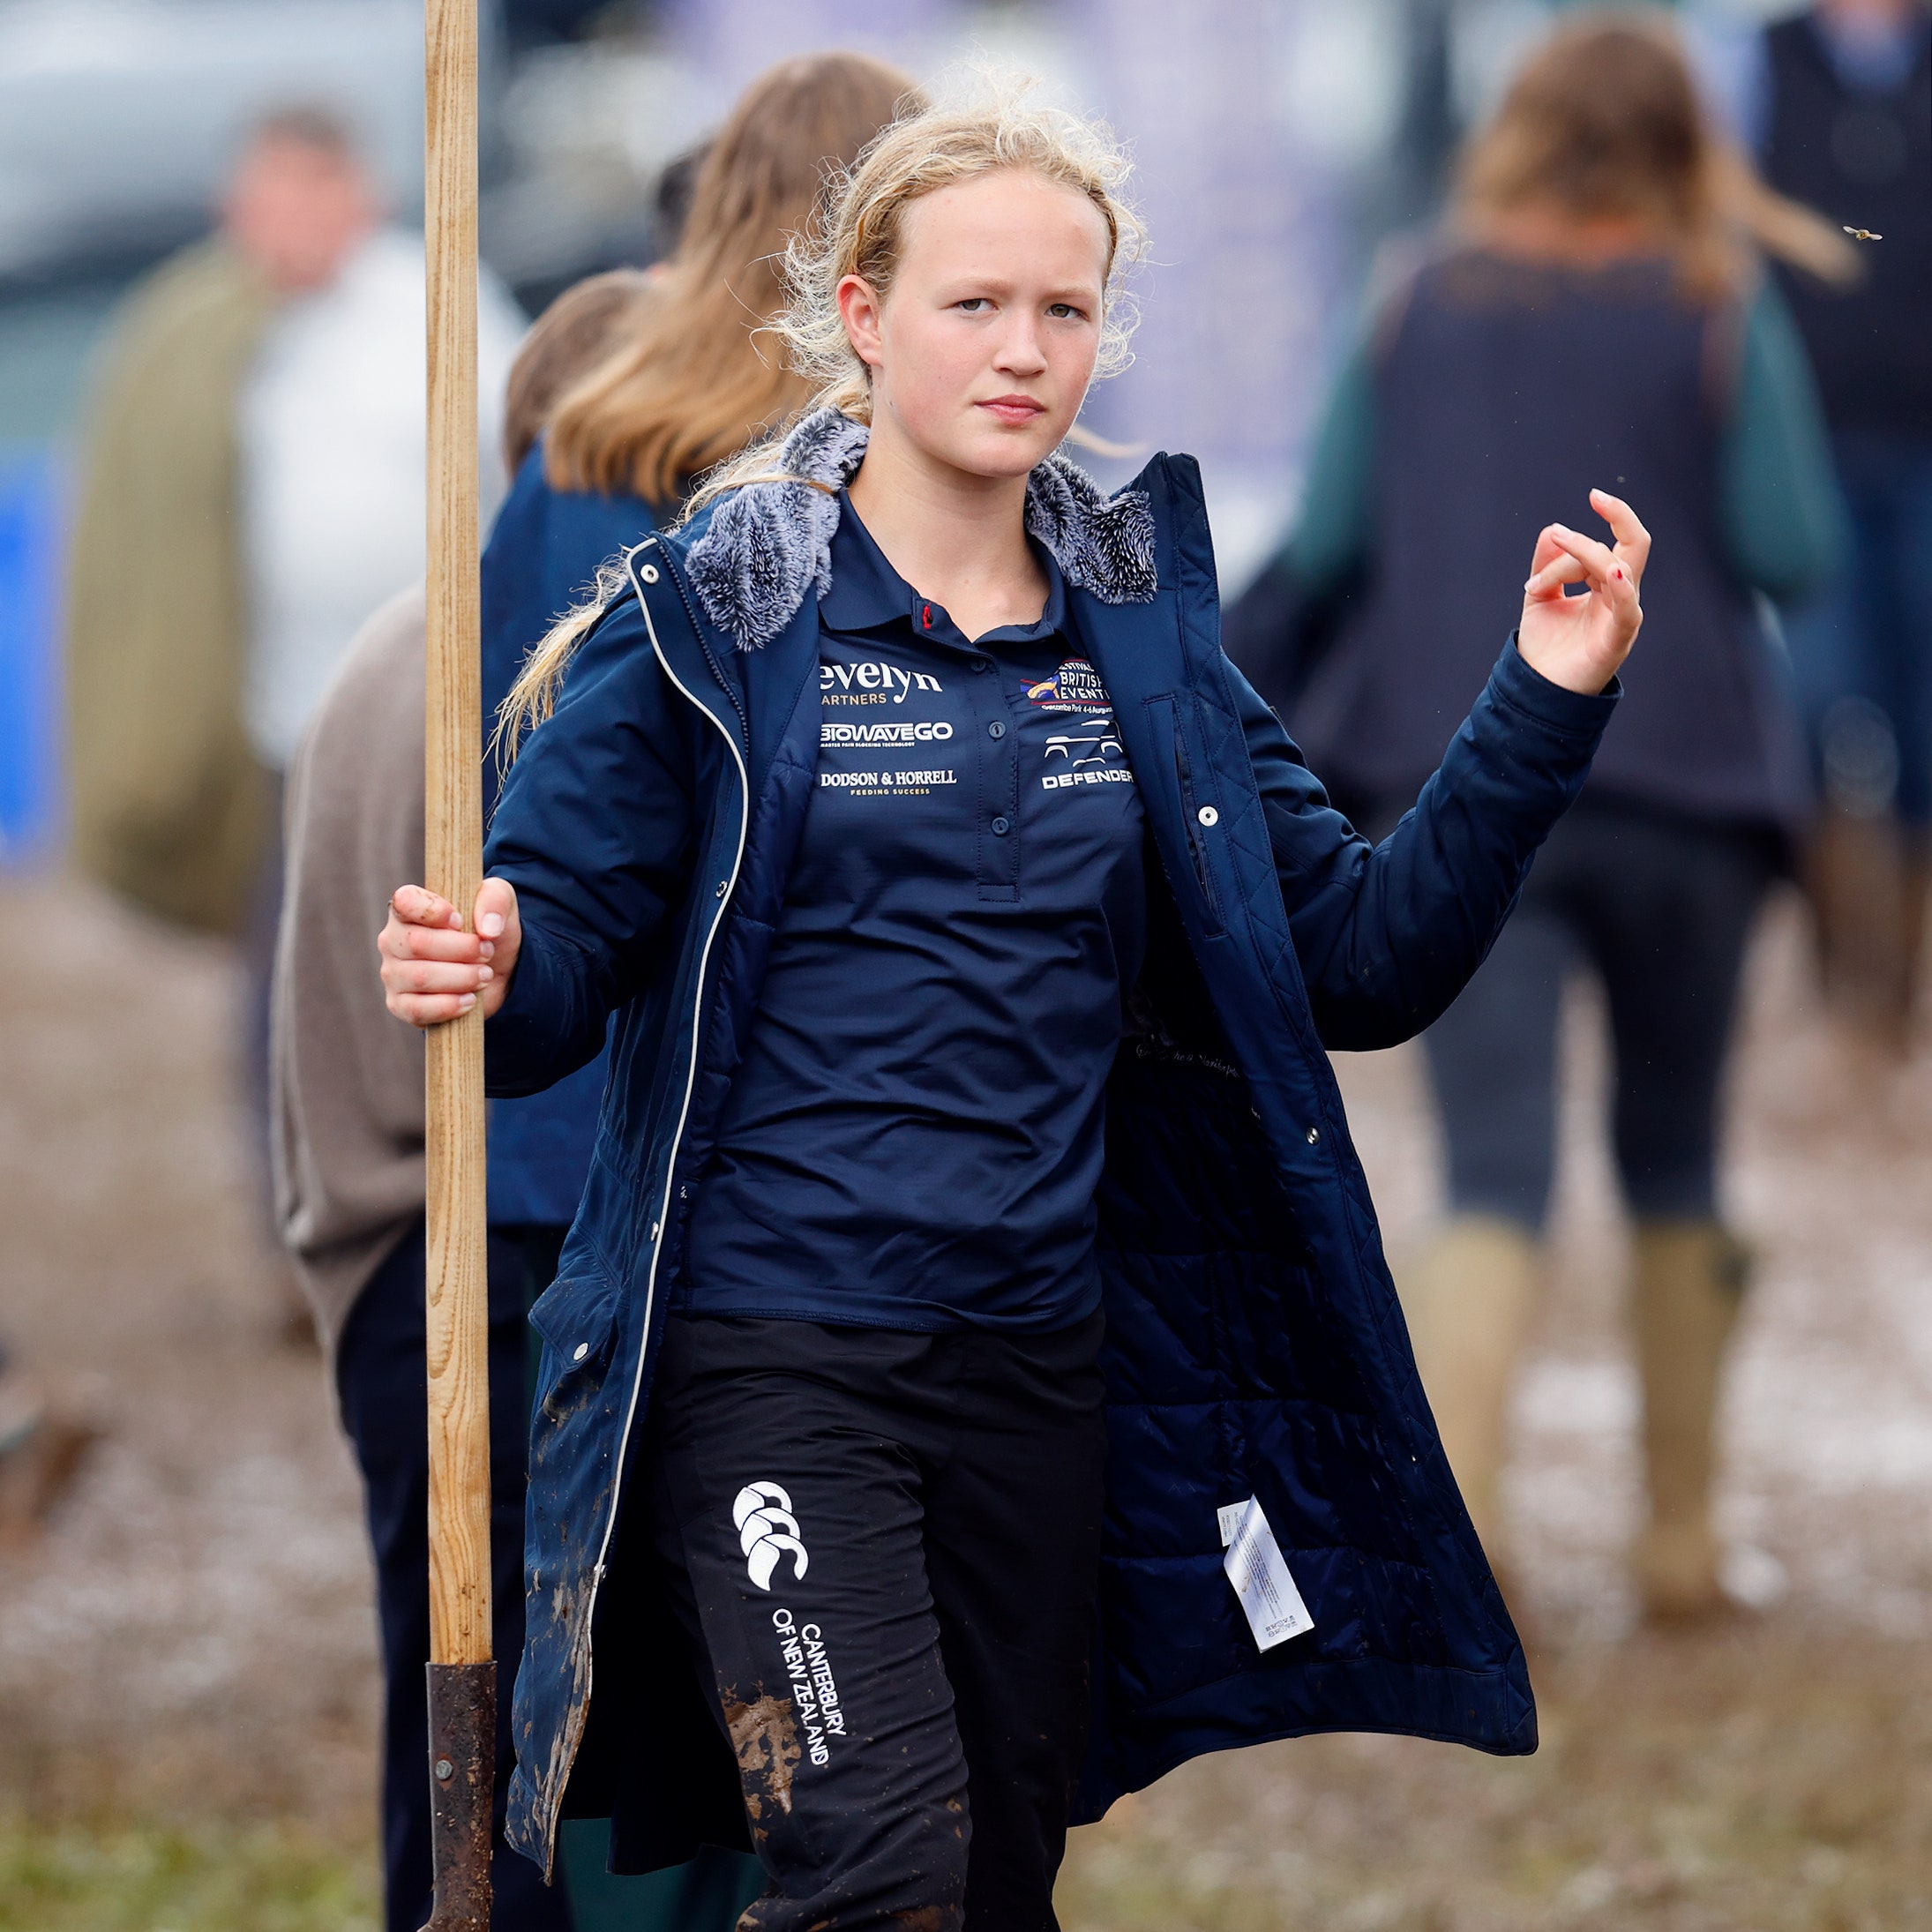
(190, 1641)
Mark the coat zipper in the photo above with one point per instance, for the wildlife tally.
(663, 1221)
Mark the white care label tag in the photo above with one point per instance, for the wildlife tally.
(1261, 1579)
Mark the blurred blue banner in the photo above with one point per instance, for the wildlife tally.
(30, 518)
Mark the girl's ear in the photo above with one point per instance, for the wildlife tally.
(858, 309)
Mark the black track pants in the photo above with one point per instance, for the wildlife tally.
(888, 1546)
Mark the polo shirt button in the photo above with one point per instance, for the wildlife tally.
(996, 730)
(1314, 1134)
(1000, 828)
(1208, 815)
(981, 663)
(582, 1350)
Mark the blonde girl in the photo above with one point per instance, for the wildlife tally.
(973, 1386)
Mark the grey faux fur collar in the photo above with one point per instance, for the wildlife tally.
(769, 542)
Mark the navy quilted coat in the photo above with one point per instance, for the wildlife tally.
(1255, 1347)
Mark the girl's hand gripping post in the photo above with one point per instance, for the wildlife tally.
(433, 971)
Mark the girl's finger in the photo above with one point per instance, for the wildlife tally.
(1561, 569)
(430, 1009)
(496, 906)
(1546, 548)
(420, 975)
(1600, 562)
(415, 905)
(400, 941)
(1633, 540)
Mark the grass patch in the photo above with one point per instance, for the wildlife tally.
(123, 1877)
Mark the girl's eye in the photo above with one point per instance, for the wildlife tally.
(1061, 311)
(972, 305)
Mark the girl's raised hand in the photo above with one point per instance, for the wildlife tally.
(432, 970)
(1581, 642)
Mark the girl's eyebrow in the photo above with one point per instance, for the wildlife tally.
(967, 288)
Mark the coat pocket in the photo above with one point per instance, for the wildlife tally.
(577, 1316)
(1196, 816)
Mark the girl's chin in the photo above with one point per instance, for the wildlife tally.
(994, 449)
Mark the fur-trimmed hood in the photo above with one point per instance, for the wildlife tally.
(768, 544)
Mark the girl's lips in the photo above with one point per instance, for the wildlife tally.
(1014, 408)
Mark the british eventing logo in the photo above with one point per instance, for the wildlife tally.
(766, 1529)
(1074, 686)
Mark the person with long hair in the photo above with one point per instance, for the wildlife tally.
(1597, 309)
(349, 1116)
(971, 1385)
(680, 380)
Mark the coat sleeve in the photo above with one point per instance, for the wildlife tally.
(1387, 935)
(595, 828)
(1784, 519)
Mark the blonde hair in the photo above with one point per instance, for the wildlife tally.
(863, 233)
(573, 334)
(689, 387)
(1605, 121)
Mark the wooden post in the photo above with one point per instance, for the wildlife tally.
(462, 1676)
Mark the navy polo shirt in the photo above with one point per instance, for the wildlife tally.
(914, 1133)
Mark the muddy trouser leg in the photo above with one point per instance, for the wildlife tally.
(888, 1544)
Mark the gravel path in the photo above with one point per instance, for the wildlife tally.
(193, 1636)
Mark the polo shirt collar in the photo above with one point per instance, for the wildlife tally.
(867, 592)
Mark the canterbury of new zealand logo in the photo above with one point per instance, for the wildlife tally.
(766, 1529)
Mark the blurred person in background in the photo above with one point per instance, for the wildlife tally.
(613, 357)
(686, 385)
(1597, 247)
(1842, 116)
(254, 462)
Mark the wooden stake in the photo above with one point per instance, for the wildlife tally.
(461, 1676)
(458, 1317)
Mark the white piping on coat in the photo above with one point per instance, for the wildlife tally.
(670, 1169)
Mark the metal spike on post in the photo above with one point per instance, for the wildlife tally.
(462, 1676)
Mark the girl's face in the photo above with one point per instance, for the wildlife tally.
(982, 351)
